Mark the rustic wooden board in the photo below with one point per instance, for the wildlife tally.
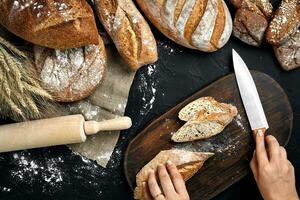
(233, 147)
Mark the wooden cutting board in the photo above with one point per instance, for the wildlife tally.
(233, 147)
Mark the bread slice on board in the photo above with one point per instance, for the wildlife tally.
(187, 162)
(205, 118)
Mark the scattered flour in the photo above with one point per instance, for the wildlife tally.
(238, 120)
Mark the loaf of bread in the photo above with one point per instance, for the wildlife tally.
(285, 23)
(283, 33)
(129, 31)
(205, 117)
(205, 25)
(251, 20)
(71, 74)
(187, 162)
(52, 23)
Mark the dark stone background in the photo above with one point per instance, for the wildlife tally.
(179, 73)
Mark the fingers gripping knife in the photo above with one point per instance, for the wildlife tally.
(249, 94)
(54, 131)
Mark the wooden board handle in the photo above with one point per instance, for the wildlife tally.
(93, 127)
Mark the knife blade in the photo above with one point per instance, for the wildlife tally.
(249, 94)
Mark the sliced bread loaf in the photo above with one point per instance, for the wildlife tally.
(205, 118)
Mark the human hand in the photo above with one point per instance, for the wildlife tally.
(273, 172)
(171, 182)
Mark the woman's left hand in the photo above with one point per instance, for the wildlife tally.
(172, 184)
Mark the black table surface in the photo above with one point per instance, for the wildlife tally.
(57, 173)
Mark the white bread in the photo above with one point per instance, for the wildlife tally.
(187, 162)
(205, 25)
(205, 118)
(129, 31)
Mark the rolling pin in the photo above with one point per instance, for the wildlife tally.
(54, 131)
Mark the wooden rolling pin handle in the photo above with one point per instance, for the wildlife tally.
(93, 127)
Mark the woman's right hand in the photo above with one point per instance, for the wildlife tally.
(273, 172)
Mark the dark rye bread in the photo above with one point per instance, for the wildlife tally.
(251, 20)
(51, 23)
(129, 31)
(205, 25)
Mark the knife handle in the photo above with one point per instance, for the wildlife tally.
(259, 131)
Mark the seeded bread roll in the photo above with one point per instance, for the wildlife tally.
(72, 74)
(285, 22)
(187, 162)
(205, 117)
(205, 25)
(251, 20)
(50, 23)
(128, 30)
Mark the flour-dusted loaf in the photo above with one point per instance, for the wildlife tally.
(285, 23)
(283, 33)
(51, 23)
(205, 117)
(71, 74)
(129, 31)
(251, 20)
(288, 54)
(205, 25)
(187, 162)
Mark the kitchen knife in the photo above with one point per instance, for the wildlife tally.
(249, 95)
(54, 131)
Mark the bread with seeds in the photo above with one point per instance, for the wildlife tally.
(129, 31)
(205, 25)
(205, 117)
(187, 162)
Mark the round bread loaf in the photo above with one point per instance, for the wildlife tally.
(205, 25)
(51, 23)
(71, 74)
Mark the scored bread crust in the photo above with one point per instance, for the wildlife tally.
(187, 162)
(71, 74)
(129, 31)
(49, 23)
(205, 25)
(205, 117)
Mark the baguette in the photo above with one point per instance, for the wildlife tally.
(205, 117)
(129, 31)
(54, 24)
(187, 162)
(205, 25)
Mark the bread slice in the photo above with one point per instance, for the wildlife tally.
(205, 118)
(205, 106)
(187, 162)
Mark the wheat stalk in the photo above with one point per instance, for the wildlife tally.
(21, 95)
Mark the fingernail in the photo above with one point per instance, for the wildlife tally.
(254, 152)
(260, 133)
(144, 184)
(151, 171)
(169, 162)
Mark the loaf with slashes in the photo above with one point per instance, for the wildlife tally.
(205, 25)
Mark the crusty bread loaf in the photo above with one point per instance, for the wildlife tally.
(50, 23)
(251, 20)
(205, 25)
(285, 22)
(71, 74)
(129, 31)
(187, 162)
(288, 54)
(205, 118)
